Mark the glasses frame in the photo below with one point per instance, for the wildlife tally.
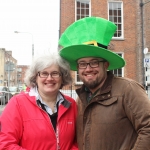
(90, 64)
(39, 74)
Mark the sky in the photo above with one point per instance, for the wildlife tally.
(38, 24)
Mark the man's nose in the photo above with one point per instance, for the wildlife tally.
(88, 67)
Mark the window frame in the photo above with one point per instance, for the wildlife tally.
(89, 2)
(77, 82)
(122, 20)
(122, 69)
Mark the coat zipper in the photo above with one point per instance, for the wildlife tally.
(57, 137)
(57, 130)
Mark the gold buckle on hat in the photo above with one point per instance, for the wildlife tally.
(91, 42)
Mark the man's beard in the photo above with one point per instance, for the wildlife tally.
(92, 84)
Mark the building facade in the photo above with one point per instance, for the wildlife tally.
(132, 35)
(8, 68)
(21, 70)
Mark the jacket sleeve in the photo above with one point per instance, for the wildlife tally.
(137, 107)
(11, 126)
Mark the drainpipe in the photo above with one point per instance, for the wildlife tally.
(142, 32)
(59, 31)
(59, 18)
(143, 43)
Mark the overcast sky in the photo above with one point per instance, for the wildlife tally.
(39, 18)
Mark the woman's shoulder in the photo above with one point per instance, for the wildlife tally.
(21, 97)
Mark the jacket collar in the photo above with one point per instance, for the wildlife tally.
(33, 96)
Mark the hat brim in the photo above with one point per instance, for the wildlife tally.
(75, 52)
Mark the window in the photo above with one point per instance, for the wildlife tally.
(19, 69)
(77, 79)
(115, 13)
(82, 9)
(19, 75)
(118, 72)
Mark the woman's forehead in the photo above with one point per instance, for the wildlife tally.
(52, 67)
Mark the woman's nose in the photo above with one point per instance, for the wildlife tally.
(50, 77)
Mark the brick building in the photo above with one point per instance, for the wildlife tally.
(21, 70)
(8, 71)
(133, 33)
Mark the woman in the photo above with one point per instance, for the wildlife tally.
(42, 118)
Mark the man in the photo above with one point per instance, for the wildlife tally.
(113, 112)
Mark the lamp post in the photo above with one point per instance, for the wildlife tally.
(32, 41)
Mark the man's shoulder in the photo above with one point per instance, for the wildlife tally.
(126, 81)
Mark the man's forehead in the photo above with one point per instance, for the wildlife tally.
(89, 59)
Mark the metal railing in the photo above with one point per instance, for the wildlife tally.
(5, 96)
(71, 93)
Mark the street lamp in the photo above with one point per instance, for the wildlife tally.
(32, 42)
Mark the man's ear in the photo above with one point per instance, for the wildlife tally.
(106, 64)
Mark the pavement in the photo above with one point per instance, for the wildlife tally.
(1, 108)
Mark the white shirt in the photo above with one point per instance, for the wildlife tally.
(60, 99)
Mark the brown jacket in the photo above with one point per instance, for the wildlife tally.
(117, 118)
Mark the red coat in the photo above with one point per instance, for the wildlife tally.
(25, 126)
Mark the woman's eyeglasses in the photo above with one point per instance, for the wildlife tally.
(45, 74)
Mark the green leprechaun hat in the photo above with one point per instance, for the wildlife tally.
(89, 37)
